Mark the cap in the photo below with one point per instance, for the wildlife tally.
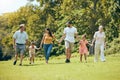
(22, 25)
(69, 22)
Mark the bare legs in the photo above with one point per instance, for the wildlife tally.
(68, 55)
(85, 57)
(16, 57)
(32, 58)
(21, 59)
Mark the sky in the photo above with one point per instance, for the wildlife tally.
(12, 5)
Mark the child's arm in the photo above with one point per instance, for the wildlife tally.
(37, 48)
(80, 42)
(89, 43)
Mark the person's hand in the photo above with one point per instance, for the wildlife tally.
(59, 43)
(14, 46)
(40, 47)
(91, 44)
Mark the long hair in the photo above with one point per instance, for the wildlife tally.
(49, 32)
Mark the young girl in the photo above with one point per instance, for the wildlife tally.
(32, 52)
(83, 48)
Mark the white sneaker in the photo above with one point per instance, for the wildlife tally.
(32, 63)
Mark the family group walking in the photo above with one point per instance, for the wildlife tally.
(20, 39)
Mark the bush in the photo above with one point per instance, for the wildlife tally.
(113, 47)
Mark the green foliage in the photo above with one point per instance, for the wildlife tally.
(113, 47)
(86, 16)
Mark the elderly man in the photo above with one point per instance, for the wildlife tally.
(20, 38)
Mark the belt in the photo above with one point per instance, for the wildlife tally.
(19, 44)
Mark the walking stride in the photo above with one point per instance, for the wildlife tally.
(47, 42)
(83, 48)
(20, 38)
(99, 38)
(69, 33)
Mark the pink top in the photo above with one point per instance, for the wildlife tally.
(83, 48)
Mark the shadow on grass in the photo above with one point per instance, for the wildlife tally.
(58, 63)
(42, 64)
(32, 64)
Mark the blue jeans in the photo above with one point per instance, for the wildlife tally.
(47, 50)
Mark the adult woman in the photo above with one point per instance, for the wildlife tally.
(99, 38)
(47, 42)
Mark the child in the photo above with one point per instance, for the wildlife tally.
(83, 48)
(32, 52)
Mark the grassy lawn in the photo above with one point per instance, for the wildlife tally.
(58, 70)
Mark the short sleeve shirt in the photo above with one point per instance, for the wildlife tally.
(70, 34)
(99, 37)
(32, 50)
(20, 37)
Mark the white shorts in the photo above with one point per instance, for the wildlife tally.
(69, 44)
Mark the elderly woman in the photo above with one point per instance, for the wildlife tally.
(99, 38)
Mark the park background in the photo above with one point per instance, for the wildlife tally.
(86, 16)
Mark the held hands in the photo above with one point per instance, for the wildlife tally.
(40, 47)
(14, 46)
(58, 43)
(91, 44)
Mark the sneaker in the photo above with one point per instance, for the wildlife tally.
(20, 64)
(85, 61)
(67, 61)
(32, 63)
(103, 61)
(46, 62)
(14, 63)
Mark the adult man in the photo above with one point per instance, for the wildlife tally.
(69, 33)
(20, 38)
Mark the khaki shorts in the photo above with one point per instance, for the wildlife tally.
(69, 44)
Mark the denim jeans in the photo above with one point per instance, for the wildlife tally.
(47, 50)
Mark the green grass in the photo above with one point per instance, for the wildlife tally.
(58, 70)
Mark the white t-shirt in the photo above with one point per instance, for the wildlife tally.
(32, 50)
(70, 32)
(99, 37)
(20, 37)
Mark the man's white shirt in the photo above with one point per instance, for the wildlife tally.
(70, 33)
